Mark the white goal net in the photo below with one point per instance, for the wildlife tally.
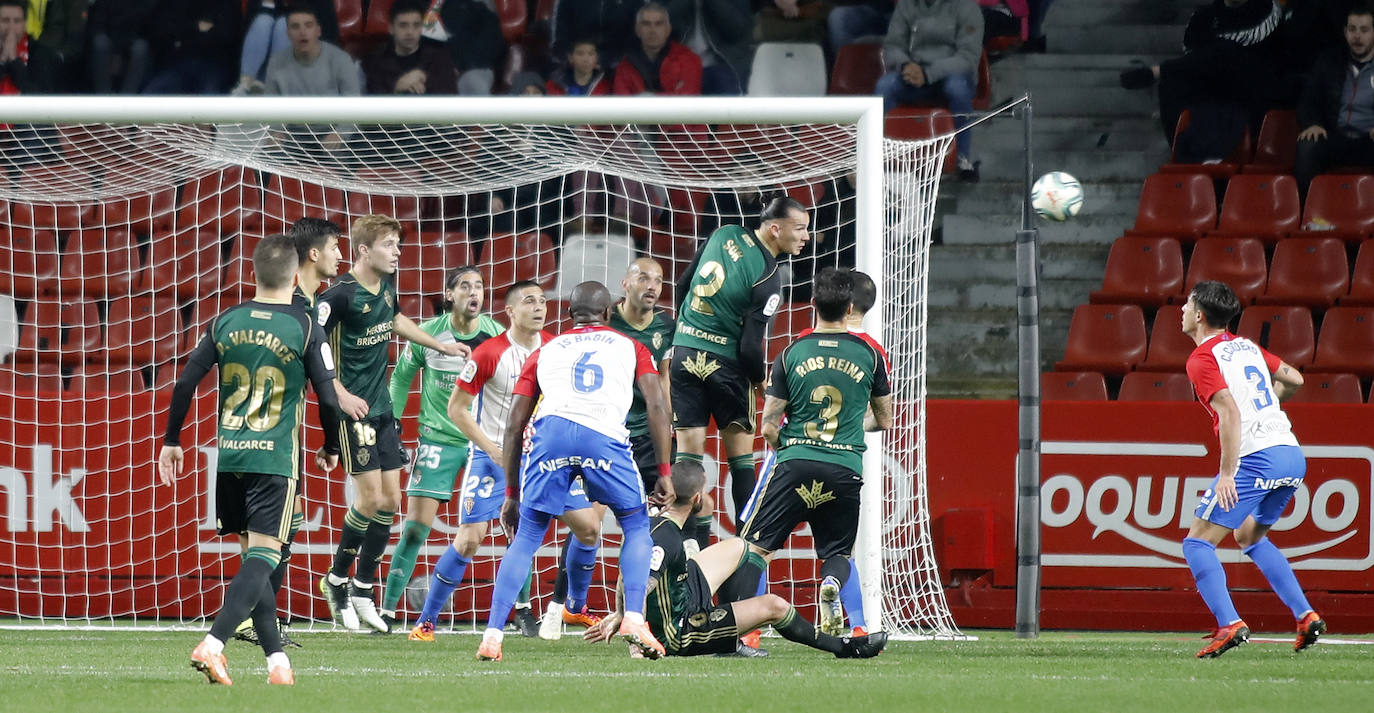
(119, 241)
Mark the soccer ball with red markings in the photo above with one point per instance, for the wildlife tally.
(1057, 196)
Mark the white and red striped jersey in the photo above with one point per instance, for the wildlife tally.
(490, 375)
(1246, 370)
(587, 375)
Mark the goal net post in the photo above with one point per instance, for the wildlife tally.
(126, 224)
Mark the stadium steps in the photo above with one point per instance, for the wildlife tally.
(1085, 124)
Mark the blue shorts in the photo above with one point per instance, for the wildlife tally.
(560, 451)
(1265, 482)
(484, 489)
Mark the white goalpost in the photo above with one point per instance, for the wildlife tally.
(126, 223)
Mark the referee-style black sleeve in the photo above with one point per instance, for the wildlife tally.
(334, 304)
(777, 380)
(319, 366)
(203, 358)
(751, 339)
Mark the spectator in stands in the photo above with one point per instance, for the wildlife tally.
(526, 84)
(266, 36)
(118, 30)
(849, 23)
(931, 53)
(408, 64)
(1336, 113)
(1004, 21)
(791, 20)
(194, 44)
(472, 33)
(1035, 25)
(27, 66)
(658, 64)
(311, 67)
(1231, 48)
(611, 21)
(60, 24)
(720, 32)
(582, 75)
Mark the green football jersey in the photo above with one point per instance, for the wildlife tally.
(666, 605)
(358, 322)
(732, 276)
(305, 302)
(827, 379)
(441, 371)
(657, 337)
(264, 354)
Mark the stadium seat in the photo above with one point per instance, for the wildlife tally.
(1179, 205)
(425, 265)
(982, 93)
(1260, 206)
(1169, 346)
(508, 258)
(236, 285)
(100, 379)
(1217, 171)
(787, 69)
(142, 214)
(1362, 283)
(1285, 331)
(1340, 206)
(1105, 338)
(809, 193)
(27, 379)
(53, 181)
(1239, 262)
(378, 17)
(1346, 341)
(1168, 386)
(287, 200)
(910, 122)
(603, 258)
(350, 13)
(1307, 271)
(142, 330)
(40, 333)
(82, 322)
(29, 262)
(685, 205)
(857, 68)
(543, 11)
(513, 14)
(789, 321)
(1276, 147)
(225, 201)
(1141, 270)
(1329, 389)
(556, 319)
(188, 261)
(416, 307)
(403, 208)
(1072, 386)
(102, 273)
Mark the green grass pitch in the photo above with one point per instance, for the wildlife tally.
(95, 671)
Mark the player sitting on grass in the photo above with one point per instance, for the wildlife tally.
(679, 609)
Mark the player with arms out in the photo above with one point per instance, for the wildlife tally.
(489, 378)
(679, 610)
(1240, 385)
(726, 300)
(586, 377)
(443, 449)
(832, 386)
(358, 312)
(265, 350)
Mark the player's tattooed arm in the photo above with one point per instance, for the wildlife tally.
(1287, 381)
(773, 408)
(879, 415)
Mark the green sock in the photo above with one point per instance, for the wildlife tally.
(794, 628)
(413, 536)
(688, 458)
(742, 479)
(350, 541)
(702, 533)
(522, 600)
(374, 546)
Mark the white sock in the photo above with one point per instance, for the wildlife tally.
(496, 635)
(278, 660)
(215, 645)
(364, 587)
(634, 617)
(335, 580)
(522, 605)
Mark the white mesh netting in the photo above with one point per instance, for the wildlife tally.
(117, 242)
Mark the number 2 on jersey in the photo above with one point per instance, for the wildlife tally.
(715, 274)
(586, 376)
(252, 388)
(1257, 380)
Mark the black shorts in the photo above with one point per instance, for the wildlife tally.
(255, 502)
(706, 629)
(724, 394)
(371, 444)
(825, 495)
(646, 460)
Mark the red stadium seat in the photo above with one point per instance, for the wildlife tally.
(1181, 205)
(40, 333)
(1276, 149)
(907, 122)
(188, 261)
(1340, 206)
(1346, 341)
(1329, 389)
(422, 271)
(1169, 346)
(1105, 338)
(1261, 206)
(236, 285)
(82, 322)
(1221, 170)
(1308, 271)
(226, 201)
(1072, 386)
(1239, 262)
(350, 14)
(508, 258)
(287, 200)
(1169, 386)
(146, 213)
(29, 262)
(1362, 283)
(55, 216)
(1285, 331)
(789, 321)
(103, 273)
(405, 209)
(982, 93)
(142, 330)
(27, 379)
(415, 307)
(513, 14)
(543, 12)
(1141, 270)
(378, 17)
(857, 68)
(556, 320)
(685, 205)
(98, 379)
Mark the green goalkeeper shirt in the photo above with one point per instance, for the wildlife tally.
(441, 371)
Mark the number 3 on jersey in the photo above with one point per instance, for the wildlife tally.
(1257, 380)
(586, 376)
